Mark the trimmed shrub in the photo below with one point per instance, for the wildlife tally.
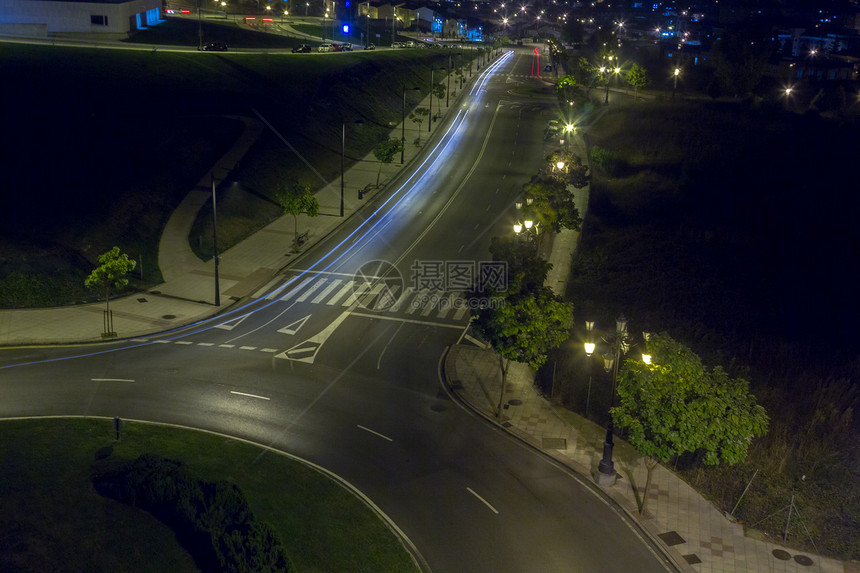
(211, 519)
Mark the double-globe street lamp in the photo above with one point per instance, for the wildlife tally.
(619, 344)
(607, 70)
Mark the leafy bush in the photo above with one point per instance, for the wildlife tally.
(211, 519)
(605, 159)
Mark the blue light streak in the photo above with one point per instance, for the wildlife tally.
(405, 191)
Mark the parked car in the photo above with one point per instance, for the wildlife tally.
(336, 48)
(215, 47)
(370, 47)
(326, 48)
(301, 49)
(346, 47)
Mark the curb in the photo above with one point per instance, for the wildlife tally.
(452, 386)
(420, 563)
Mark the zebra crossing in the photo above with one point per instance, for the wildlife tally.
(526, 76)
(375, 296)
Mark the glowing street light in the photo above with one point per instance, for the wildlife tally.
(676, 73)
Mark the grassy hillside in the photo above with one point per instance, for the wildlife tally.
(101, 145)
(731, 227)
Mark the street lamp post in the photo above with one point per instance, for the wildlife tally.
(589, 350)
(215, 242)
(619, 345)
(342, 148)
(403, 125)
(430, 119)
(448, 89)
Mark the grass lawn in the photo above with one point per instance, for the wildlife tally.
(108, 162)
(53, 519)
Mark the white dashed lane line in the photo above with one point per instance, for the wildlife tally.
(249, 395)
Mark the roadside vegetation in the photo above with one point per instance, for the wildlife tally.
(54, 519)
(730, 227)
(106, 164)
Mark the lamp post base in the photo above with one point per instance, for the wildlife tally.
(605, 480)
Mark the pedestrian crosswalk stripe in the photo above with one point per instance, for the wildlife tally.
(341, 293)
(295, 290)
(432, 303)
(421, 298)
(446, 307)
(319, 298)
(356, 293)
(310, 291)
(377, 296)
(396, 306)
(366, 299)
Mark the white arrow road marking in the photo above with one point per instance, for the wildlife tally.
(294, 327)
(249, 395)
(475, 341)
(313, 344)
(231, 324)
(494, 510)
(375, 433)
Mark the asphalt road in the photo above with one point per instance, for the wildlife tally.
(338, 364)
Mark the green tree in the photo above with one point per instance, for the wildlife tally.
(574, 171)
(524, 327)
(552, 205)
(384, 153)
(637, 78)
(417, 115)
(565, 89)
(113, 266)
(526, 271)
(589, 75)
(675, 405)
(439, 94)
(296, 199)
(740, 59)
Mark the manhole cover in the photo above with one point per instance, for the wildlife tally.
(671, 538)
(554, 443)
(168, 316)
(781, 555)
(515, 402)
(692, 559)
(141, 299)
(803, 560)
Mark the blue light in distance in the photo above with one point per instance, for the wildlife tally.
(346, 28)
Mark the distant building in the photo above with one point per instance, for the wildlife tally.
(43, 18)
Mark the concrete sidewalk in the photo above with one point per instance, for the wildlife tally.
(691, 530)
(188, 292)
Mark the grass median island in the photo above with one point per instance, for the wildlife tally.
(730, 226)
(53, 519)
